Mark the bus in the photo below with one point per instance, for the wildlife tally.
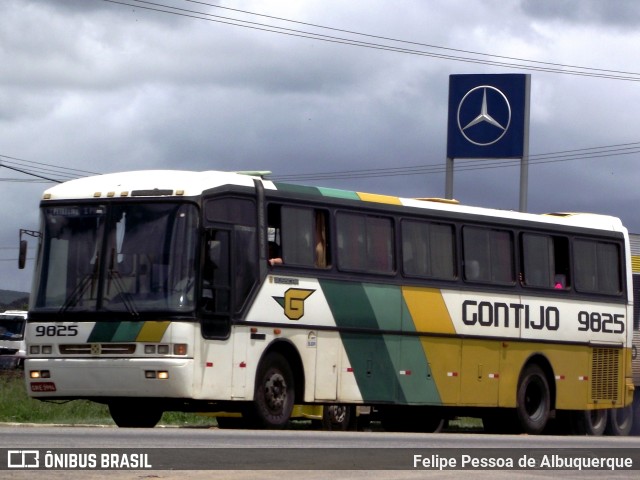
(634, 240)
(224, 292)
(12, 343)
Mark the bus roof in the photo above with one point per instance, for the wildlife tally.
(14, 313)
(151, 183)
(166, 183)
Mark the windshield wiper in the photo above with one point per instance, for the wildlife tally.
(78, 292)
(114, 275)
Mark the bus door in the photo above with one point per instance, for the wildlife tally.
(216, 284)
(328, 347)
(480, 367)
(229, 276)
(480, 379)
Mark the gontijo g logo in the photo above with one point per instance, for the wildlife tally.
(293, 302)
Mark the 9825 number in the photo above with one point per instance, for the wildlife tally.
(601, 322)
(56, 330)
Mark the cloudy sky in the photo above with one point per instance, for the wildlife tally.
(342, 94)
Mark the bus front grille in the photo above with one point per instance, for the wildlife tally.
(98, 349)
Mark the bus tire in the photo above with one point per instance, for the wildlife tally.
(134, 414)
(338, 417)
(533, 401)
(590, 422)
(619, 421)
(635, 408)
(274, 393)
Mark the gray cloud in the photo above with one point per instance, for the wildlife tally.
(622, 13)
(91, 85)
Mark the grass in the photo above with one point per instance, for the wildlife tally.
(17, 407)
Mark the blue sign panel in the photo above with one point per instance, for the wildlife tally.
(487, 115)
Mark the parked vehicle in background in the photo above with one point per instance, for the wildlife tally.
(12, 344)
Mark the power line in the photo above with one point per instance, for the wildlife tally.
(485, 59)
(470, 164)
(23, 180)
(436, 168)
(56, 167)
(438, 47)
(31, 173)
(43, 172)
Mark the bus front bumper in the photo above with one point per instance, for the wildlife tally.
(98, 378)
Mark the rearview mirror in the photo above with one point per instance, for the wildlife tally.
(22, 256)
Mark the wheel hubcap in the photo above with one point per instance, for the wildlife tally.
(275, 391)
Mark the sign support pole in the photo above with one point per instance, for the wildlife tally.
(488, 119)
(524, 162)
(448, 191)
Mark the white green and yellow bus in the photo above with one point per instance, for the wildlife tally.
(634, 240)
(228, 292)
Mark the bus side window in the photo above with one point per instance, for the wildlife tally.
(298, 236)
(491, 251)
(321, 244)
(537, 260)
(365, 243)
(545, 261)
(597, 267)
(428, 250)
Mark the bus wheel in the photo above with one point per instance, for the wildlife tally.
(590, 422)
(134, 414)
(274, 393)
(619, 422)
(635, 409)
(533, 402)
(338, 417)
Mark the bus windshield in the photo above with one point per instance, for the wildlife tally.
(11, 326)
(124, 257)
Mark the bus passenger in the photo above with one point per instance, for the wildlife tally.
(274, 254)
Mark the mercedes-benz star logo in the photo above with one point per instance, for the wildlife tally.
(490, 127)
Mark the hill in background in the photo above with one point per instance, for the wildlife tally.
(11, 300)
